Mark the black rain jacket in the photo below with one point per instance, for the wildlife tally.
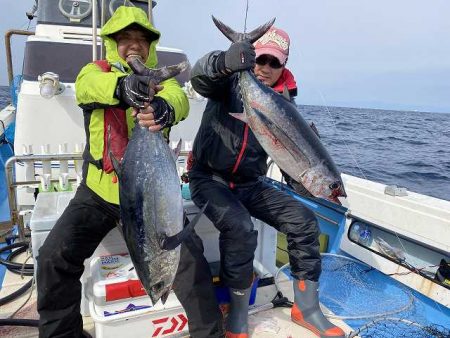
(224, 145)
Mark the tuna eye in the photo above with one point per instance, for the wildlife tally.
(334, 185)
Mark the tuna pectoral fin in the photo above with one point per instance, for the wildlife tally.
(286, 94)
(177, 150)
(170, 243)
(240, 116)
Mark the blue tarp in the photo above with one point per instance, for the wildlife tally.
(6, 152)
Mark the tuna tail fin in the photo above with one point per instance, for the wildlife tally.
(170, 243)
(158, 74)
(234, 36)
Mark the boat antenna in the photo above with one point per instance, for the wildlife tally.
(94, 30)
(150, 11)
(32, 14)
(246, 14)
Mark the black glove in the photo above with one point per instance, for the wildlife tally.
(163, 112)
(134, 90)
(240, 56)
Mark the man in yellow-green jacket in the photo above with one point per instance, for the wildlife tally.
(111, 97)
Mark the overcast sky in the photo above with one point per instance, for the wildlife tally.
(391, 54)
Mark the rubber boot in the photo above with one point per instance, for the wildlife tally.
(237, 319)
(307, 313)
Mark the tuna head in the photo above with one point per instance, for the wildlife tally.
(322, 182)
(162, 271)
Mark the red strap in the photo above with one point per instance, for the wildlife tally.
(115, 119)
(190, 161)
(104, 65)
(116, 140)
(241, 154)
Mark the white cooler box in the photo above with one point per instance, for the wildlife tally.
(119, 304)
(48, 208)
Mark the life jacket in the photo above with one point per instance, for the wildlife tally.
(286, 79)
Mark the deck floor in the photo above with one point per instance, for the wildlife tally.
(264, 324)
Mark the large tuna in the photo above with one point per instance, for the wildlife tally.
(281, 130)
(151, 205)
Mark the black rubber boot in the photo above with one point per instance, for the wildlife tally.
(307, 313)
(237, 320)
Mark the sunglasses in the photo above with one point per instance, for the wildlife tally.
(267, 59)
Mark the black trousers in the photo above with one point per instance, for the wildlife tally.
(74, 238)
(230, 211)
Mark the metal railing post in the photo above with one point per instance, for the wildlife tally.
(9, 64)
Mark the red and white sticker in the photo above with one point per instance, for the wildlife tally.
(171, 324)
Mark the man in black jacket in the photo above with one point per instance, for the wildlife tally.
(228, 169)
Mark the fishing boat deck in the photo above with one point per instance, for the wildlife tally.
(263, 324)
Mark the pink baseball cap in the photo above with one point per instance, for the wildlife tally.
(275, 42)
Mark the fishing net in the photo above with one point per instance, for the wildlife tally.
(358, 284)
(377, 306)
(398, 328)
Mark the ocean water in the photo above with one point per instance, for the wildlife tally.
(409, 149)
(4, 96)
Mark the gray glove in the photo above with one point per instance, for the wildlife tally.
(240, 56)
(134, 90)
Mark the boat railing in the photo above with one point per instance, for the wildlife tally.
(13, 184)
(8, 36)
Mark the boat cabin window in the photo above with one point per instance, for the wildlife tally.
(67, 59)
(79, 12)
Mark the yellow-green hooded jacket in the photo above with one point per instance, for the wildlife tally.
(95, 91)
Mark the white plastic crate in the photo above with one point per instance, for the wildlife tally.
(117, 289)
(119, 305)
(143, 323)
